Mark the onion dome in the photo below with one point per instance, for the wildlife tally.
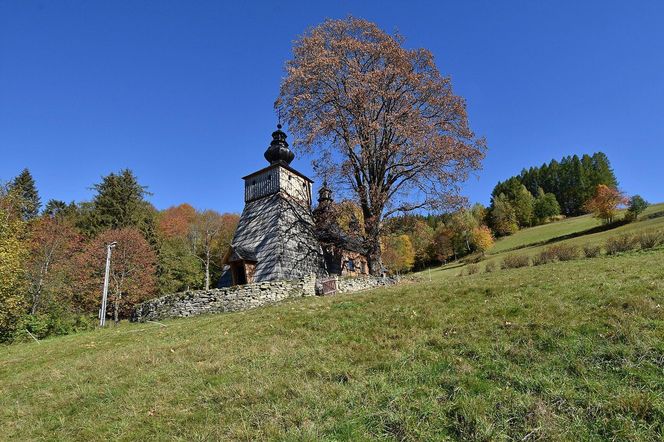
(324, 193)
(278, 151)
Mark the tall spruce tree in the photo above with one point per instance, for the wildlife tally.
(24, 187)
(119, 203)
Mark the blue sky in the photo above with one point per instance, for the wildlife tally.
(182, 92)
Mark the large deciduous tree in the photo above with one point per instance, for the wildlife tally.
(637, 205)
(179, 267)
(546, 206)
(133, 271)
(482, 239)
(503, 216)
(53, 244)
(380, 118)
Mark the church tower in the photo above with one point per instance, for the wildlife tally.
(275, 236)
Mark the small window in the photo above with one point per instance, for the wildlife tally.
(350, 265)
(253, 182)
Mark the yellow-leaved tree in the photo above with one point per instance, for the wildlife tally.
(481, 238)
(398, 253)
(13, 253)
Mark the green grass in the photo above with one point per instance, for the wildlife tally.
(544, 233)
(534, 240)
(567, 351)
(548, 232)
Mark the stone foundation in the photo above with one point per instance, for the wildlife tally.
(243, 297)
(349, 285)
(230, 299)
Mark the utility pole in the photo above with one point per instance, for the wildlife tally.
(104, 297)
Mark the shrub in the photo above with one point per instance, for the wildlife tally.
(53, 323)
(622, 243)
(473, 258)
(565, 252)
(515, 261)
(592, 250)
(490, 267)
(544, 257)
(472, 269)
(650, 239)
(558, 252)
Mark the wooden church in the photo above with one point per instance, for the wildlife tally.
(277, 237)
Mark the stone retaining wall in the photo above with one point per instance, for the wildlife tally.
(231, 299)
(349, 285)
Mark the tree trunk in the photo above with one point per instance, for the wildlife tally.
(36, 297)
(116, 308)
(374, 259)
(207, 271)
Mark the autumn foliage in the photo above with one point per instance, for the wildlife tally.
(604, 205)
(398, 253)
(379, 118)
(176, 221)
(132, 277)
(13, 254)
(482, 239)
(54, 243)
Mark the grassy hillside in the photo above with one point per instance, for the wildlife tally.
(565, 351)
(545, 232)
(577, 231)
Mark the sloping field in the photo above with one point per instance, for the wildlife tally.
(578, 232)
(567, 227)
(566, 351)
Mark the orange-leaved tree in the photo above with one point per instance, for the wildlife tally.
(54, 242)
(380, 119)
(133, 271)
(176, 221)
(604, 205)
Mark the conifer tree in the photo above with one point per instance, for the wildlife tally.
(572, 181)
(119, 203)
(24, 186)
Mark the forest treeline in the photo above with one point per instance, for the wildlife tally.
(539, 194)
(52, 257)
(570, 187)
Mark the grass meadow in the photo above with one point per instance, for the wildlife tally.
(564, 351)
